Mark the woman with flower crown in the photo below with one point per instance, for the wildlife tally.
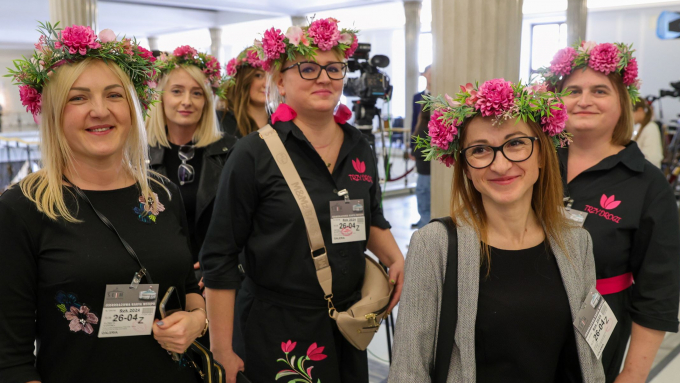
(67, 279)
(281, 307)
(522, 271)
(632, 213)
(243, 110)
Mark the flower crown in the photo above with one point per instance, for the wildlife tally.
(76, 43)
(323, 34)
(496, 98)
(185, 56)
(246, 58)
(605, 58)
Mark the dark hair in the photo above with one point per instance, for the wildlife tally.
(423, 120)
(238, 98)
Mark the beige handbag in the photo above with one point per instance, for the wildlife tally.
(361, 321)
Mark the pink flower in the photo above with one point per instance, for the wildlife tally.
(231, 67)
(146, 54)
(352, 48)
(81, 319)
(78, 38)
(315, 353)
(604, 58)
(468, 88)
(272, 43)
(253, 59)
(40, 45)
(283, 113)
(563, 61)
(342, 114)
(346, 38)
(106, 36)
(537, 88)
(441, 132)
(587, 46)
(452, 103)
(555, 123)
(212, 66)
(447, 160)
(325, 33)
(295, 35)
(185, 51)
(630, 73)
(288, 346)
(495, 97)
(31, 99)
(127, 47)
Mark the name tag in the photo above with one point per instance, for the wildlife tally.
(576, 216)
(127, 311)
(595, 321)
(348, 222)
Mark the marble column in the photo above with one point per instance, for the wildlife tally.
(472, 40)
(298, 21)
(411, 38)
(577, 16)
(69, 12)
(153, 43)
(216, 44)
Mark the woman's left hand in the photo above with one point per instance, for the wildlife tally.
(177, 331)
(396, 274)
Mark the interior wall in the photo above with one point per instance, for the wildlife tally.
(13, 113)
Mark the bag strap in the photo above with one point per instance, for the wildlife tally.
(448, 315)
(314, 237)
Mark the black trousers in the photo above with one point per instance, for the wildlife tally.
(612, 356)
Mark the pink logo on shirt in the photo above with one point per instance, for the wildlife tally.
(608, 203)
(360, 167)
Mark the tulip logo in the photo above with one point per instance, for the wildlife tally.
(359, 166)
(608, 203)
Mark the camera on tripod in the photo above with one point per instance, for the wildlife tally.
(371, 85)
(671, 93)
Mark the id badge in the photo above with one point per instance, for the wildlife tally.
(128, 312)
(576, 216)
(595, 321)
(348, 222)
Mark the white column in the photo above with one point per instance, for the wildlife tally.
(298, 21)
(472, 40)
(411, 37)
(216, 44)
(577, 16)
(70, 12)
(153, 43)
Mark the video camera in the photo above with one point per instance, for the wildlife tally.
(372, 83)
(671, 93)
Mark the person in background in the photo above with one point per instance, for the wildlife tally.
(632, 214)
(59, 258)
(417, 107)
(423, 196)
(243, 110)
(647, 133)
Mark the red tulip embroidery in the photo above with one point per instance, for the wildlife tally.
(359, 166)
(608, 203)
(297, 369)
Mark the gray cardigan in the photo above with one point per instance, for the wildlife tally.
(418, 319)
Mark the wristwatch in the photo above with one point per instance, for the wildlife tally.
(207, 322)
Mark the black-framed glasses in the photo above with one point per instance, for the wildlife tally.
(516, 149)
(185, 172)
(311, 70)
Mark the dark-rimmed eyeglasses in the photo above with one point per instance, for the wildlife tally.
(185, 172)
(311, 70)
(516, 149)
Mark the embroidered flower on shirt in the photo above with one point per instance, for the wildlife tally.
(79, 316)
(149, 209)
(297, 370)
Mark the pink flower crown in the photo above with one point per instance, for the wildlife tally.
(247, 58)
(496, 98)
(57, 47)
(323, 34)
(186, 55)
(605, 58)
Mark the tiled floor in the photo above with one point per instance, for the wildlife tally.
(401, 212)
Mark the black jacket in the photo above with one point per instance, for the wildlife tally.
(214, 157)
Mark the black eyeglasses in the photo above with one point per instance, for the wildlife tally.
(312, 71)
(185, 172)
(517, 149)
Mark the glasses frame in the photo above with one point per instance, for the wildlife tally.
(497, 149)
(189, 168)
(323, 67)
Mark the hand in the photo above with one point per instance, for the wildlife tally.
(396, 274)
(177, 331)
(197, 266)
(231, 362)
(412, 157)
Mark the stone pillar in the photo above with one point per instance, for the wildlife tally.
(411, 38)
(577, 16)
(69, 12)
(472, 40)
(153, 43)
(216, 44)
(298, 21)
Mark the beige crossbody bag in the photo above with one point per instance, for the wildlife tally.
(362, 320)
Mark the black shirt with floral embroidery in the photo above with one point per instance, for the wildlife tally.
(50, 267)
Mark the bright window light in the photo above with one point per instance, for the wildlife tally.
(546, 40)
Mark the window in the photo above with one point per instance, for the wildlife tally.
(546, 40)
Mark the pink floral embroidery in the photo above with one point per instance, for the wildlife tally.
(609, 203)
(81, 319)
(297, 370)
(148, 210)
(283, 113)
(359, 166)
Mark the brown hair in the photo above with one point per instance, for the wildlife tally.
(623, 131)
(546, 198)
(421, 123)
(238, 99)
(649, 113)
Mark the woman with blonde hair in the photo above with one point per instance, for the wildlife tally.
(629, 208)
(92, 241)
(520, 271)
(185, 142)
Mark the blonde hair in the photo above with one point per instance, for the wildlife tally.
(207, 131)
(546, 198)
(44, 187)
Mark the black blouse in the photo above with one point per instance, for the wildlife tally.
(256, 212)
(633, 220)
(48, 265)
(524, 331)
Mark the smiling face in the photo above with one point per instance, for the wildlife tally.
(96, 117)
(258, 87)
(183, 100)
(503, 182)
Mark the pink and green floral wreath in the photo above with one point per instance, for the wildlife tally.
(499, 99)
(276, 47)
(57, 47)
(186, 55)
(247, 58)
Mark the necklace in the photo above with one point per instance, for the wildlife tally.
(328, 164)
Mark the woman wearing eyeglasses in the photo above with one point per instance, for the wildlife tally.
(186, 143)
(281, 308)
(522, 272)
